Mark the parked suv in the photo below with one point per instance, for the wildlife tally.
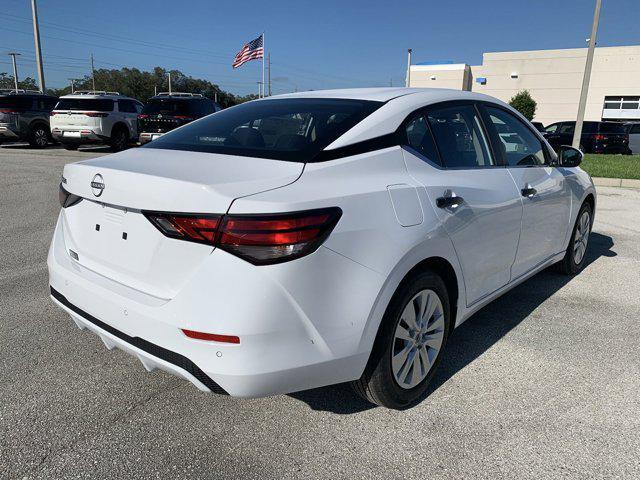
(86, 117)
(24, 116)
(597, 137)
(166, 111)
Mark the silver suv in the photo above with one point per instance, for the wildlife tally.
(24, 116)
(95, 117)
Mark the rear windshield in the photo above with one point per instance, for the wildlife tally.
(16, 103)
(88, 104)
(612, 127)
(171, 106)
(281, 129)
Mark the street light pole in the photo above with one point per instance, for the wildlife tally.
(36, 39)
(15, 70)
(408, 67)
(72, 80)
(93, 75)
(577, 134)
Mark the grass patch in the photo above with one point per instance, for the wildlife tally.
(612, 166)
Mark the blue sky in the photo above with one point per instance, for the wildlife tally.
(314, 45)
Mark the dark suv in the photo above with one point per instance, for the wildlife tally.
(165, 111)
(24, 116)
(597, 137)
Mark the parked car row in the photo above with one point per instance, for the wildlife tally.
(95, 117)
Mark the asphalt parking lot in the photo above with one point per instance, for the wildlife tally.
(542, 383)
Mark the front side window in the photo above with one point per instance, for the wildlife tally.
(459, 136)
(552, 128)
(517, 143)
(567, 128)
(420, 139)
(281, 129)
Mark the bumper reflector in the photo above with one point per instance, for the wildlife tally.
(211, 337)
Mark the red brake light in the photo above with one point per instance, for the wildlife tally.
(143, 115)
(212, 337)
(258, 239)
(195, 228)
(8, 110)
(600, 138)
(94, 114)
(182, 117)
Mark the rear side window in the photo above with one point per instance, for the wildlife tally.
(16, 103)
(282, 129)
(567, 128)
(635, 128)
(127, 106)
(611, 127)
(459, 136)
(85, 104)
(420, 139)
(517, 144)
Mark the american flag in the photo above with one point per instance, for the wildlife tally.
(250, 51)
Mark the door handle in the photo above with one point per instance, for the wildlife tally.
(528, 192)
(445, 202)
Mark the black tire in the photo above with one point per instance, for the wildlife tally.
(378, 384)
(119, 139)
(70, 146)
(39, 136)
(570, 264)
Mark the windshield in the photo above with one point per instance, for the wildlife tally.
(282, 129)
(91, 104)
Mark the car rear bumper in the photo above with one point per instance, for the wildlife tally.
(79, 135)
(147, 137)
(287, 342)
(7, 133)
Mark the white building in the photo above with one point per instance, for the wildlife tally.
(552, 77)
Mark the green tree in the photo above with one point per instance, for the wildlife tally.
(143, 84)
(525, 104)
(6, 81)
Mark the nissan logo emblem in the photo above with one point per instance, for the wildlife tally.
(97, 185)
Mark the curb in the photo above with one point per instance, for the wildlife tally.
(616, 182)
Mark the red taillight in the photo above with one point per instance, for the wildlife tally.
(599, 138)
(211, 337)
(8, 110)
(94, 114)
(182, 117)
(259, 239)
(143, 115)
(195, 228)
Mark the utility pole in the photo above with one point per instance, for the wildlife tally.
(269, 78)
(73, 86)
(93, 74)
(15, 70)
(259, 89)
(408, 67)
(582, 106)
(36, 39)
(155, 90)
(169, 83)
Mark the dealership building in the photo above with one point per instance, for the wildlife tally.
(552, 77)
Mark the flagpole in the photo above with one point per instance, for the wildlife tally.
(263, 52)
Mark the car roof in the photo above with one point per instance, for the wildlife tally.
(97, 96)
(399, 102)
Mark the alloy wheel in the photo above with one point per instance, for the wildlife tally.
(417, 339)
(40, 137)
(581, 237)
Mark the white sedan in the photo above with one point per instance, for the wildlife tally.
(315, 238)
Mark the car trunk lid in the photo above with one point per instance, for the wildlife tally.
(108, 232)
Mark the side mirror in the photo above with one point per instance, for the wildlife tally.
(569, 156)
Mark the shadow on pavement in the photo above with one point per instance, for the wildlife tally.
(473, 337)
